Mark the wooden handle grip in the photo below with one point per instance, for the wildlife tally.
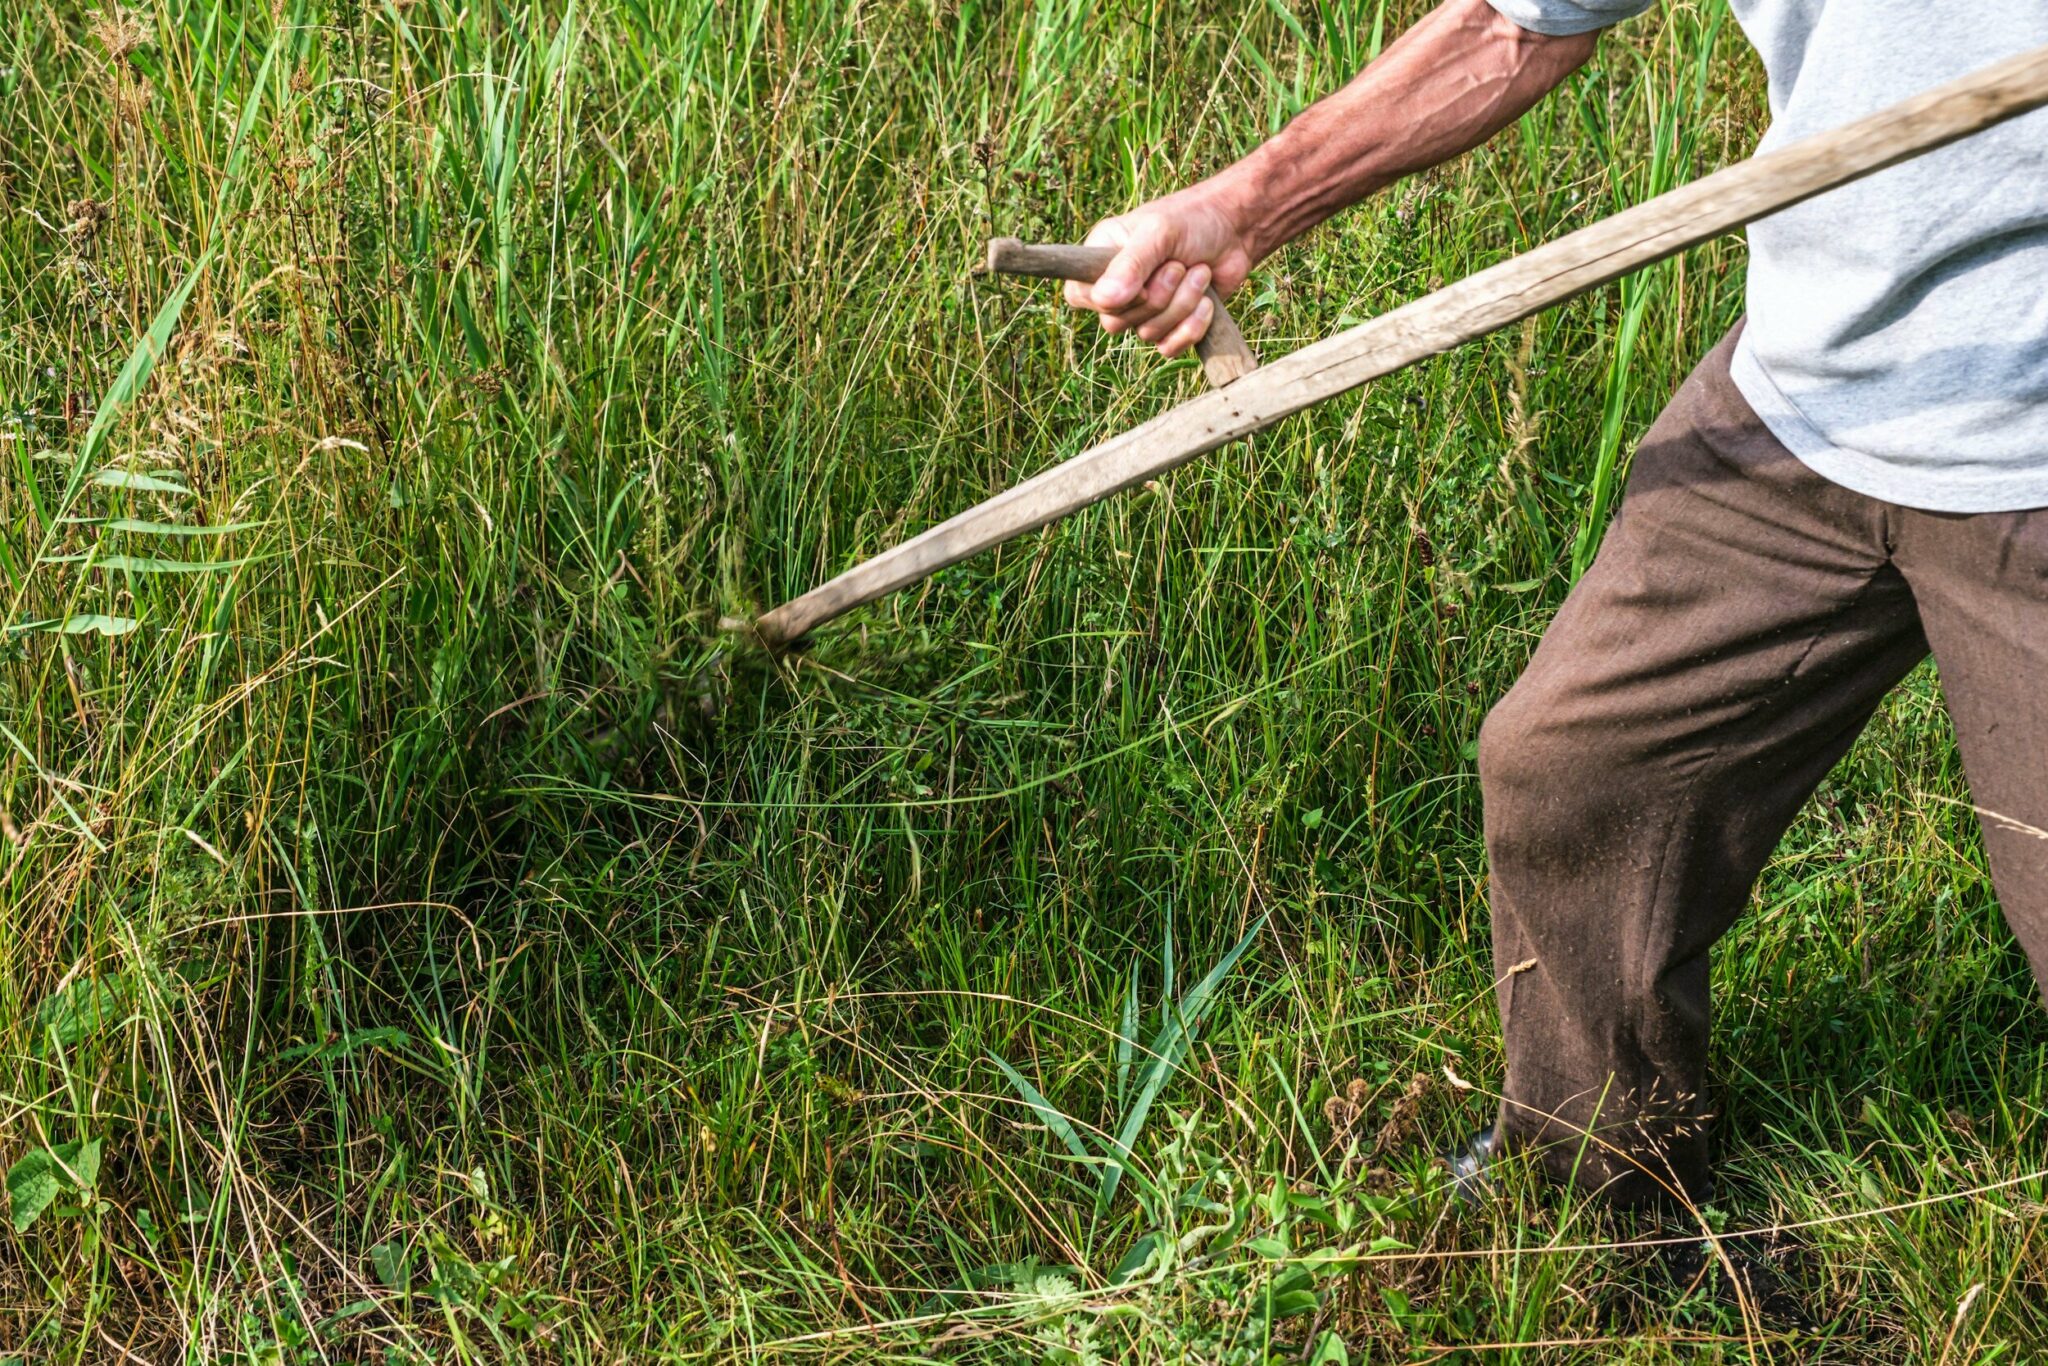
(1225, 354)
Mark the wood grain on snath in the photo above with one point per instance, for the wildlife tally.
(1474, 306)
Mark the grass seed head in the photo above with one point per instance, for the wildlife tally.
(120, 31)
(130, 99)
(84, 218)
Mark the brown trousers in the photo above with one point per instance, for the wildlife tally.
(1741, 623)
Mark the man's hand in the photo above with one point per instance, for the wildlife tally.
(1461, 74)
(1172, 250)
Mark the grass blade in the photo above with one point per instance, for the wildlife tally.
(1126, 1041)
(1045, 1109)
(150, 564)
(1168, 1048)
(142, 528)
(140, 483)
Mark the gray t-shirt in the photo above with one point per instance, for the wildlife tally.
(1898, 326)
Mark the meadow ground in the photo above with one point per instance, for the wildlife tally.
(425, 938)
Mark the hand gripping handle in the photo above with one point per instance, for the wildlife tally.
(1225, 356)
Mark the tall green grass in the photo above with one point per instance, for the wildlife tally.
(426, 938)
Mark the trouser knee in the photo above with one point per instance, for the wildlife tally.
(1549, 788)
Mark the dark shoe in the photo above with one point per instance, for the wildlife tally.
(1763, 1289)
(1470, 1166)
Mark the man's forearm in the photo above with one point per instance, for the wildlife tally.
(1446, 85)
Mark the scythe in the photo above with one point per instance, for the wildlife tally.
(1250, 399)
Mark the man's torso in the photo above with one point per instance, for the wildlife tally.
(1898, 326)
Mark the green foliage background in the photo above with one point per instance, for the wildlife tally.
(446, 945)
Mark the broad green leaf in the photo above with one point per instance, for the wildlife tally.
(1287, 1305)
(32, 1184)
(43, 1174)
(393, 1263)
(175, 528)
(1330, 1351)
(87, 622)
(83, 1008)
(1294, 1278)
(83, 1158)
(77, 625)
(1137, 1259)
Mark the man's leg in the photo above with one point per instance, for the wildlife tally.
(1982, 585)
(1742, 621)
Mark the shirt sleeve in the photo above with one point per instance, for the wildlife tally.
(1557, 17)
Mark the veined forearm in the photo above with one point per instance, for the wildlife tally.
(1446, 85)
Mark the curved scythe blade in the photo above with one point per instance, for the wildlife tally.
(1474, 306)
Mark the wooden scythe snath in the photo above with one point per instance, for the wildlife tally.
(1252, 399)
